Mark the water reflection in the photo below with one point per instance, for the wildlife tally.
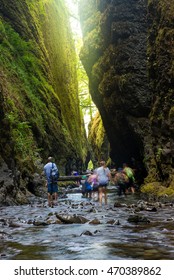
(66, 241)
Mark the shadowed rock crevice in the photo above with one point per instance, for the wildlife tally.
(128, 55)
(117, 71)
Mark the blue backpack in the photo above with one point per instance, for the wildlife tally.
(54, 174)
(88, 186)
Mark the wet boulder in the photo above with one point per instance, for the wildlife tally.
(74, 219)
(138, 219)
(113, 222)
(53, 220)
(153, 209)
(92, 210)
(87, 232)
(14, 225)
(95, 222)
(119, 205)
(39, 223)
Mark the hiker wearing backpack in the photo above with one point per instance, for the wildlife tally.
(52, 175)
(130, 174)
(121, 181)
(86, 186)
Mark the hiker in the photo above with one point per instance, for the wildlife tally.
(130, 174)
(76, 173)
(103, 177)
(86, 186)
(82, 181)
(94, 183)
(50, 170)
(121, 180)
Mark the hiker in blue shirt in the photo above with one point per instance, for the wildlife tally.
(51, 173)
(86, 186)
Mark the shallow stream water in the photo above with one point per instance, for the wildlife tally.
(20, 239)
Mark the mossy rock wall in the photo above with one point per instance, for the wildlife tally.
(160, 54)
(128, 55)
(114, 56)
(98, 142)
(39, 108)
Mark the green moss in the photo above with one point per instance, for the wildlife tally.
(158, 154)
(166, 191)
(98, 140)
(161, 67)
(171, 114)
(19, 63)
(156, 190)
(97, 131)
(97, 71)
(151, 188)
(40, 94)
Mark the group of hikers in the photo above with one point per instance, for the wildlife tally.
(93, 183)
(98, 181)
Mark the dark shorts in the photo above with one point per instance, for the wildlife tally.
(130, 183)
(52, 188)
(103, 186)
(95, 188)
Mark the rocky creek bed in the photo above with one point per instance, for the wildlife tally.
(78, 228)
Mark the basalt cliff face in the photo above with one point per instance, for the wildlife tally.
(98, 141)
(128, 56)
(39, 106)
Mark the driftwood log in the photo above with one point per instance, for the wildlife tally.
(70, 178)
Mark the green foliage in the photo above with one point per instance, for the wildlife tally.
(25, 86)
(24, 144)
(41, 91)
(87, 106)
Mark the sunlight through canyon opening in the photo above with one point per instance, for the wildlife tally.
(88, 108)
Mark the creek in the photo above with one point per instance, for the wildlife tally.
(113, 237)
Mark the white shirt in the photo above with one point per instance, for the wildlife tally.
(103, 175)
